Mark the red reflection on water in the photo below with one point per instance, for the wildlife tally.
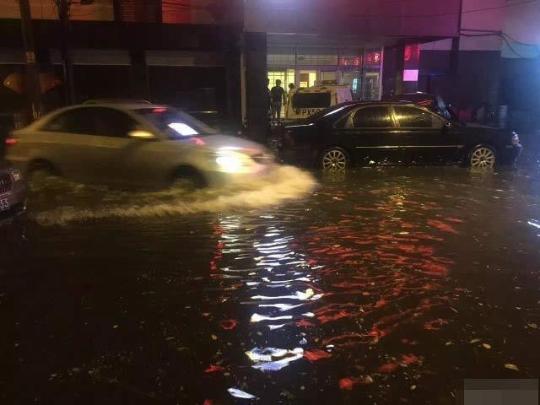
(385, 270)
(406, 360)
(229, 324)
(212, 368)
(348, 383)
(316, 355)
(442, 226)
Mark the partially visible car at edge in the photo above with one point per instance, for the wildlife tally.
(365, 133)
(137, 144)
(12, 192)
(304, 102)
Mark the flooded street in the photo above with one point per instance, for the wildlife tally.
(382, 286)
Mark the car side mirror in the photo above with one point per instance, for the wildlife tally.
(142, 134)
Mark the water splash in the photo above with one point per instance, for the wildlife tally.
(79, 203)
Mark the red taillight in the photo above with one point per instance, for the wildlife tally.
(10, 141)
(197, 141)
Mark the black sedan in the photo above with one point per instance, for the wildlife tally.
(393, 133)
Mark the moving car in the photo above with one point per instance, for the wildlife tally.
(12, 191)
(385, 132)
(305, 102)
(136, 144)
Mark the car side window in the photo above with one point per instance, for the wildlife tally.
(100, 121)
(412, 117)
(372, 117)
(76, 121)
(112, 123)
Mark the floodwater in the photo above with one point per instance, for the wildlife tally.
(382, 286)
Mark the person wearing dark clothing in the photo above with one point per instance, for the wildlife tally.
(268, 100)
(278, 97)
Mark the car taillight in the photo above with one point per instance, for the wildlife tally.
(10, 141)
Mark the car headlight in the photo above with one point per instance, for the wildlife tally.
(231, 161)
(16, 175)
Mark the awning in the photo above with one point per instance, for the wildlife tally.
(47, 82)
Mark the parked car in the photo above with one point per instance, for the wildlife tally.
(305, 102)
(383, 132)
(135, 144)
(12, 192)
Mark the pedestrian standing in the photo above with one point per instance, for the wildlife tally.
(292, 88)
(278, 98)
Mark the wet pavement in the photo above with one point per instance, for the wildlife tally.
(384, 286)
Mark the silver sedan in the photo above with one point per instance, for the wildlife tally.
(136, 144)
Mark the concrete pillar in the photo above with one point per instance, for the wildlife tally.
(393, 70)
(255, 49)
(400, 66)
(139, 75)
(233, 64)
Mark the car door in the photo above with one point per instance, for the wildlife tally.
(129, 160)
(425, 136)
(69, 142)
(369, 133)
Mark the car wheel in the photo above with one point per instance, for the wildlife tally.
(188, 179)
(40, 172)
(483, 157)
(335, 159)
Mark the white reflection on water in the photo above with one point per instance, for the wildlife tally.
(279, 282)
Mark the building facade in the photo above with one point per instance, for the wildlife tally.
(490, 72)
(218, 54)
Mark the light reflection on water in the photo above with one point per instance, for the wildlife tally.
(364, 295)
(381, 274)
(281, 287)
(371, 286)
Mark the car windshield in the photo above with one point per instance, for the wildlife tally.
(176, 124)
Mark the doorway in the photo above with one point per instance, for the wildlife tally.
(307, 78)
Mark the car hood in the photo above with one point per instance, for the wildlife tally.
(226, 141)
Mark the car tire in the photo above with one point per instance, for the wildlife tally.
(482, 157)
(335, 159)
(40, 169)
(188, 179)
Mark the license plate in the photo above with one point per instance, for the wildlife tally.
(4, 204)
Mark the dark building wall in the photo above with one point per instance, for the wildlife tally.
(475, 82)
(216, 85)
(520, 90)
(255, 46)
(183, 87)
(93, 81)
(370, 18)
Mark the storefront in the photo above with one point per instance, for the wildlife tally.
(306, 67)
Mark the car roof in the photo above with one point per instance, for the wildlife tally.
(121, 105)
(377, 103)
(116, 101)
(321, 88)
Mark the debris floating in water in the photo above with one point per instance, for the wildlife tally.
(235, 392)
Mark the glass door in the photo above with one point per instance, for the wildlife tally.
(307, 78)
